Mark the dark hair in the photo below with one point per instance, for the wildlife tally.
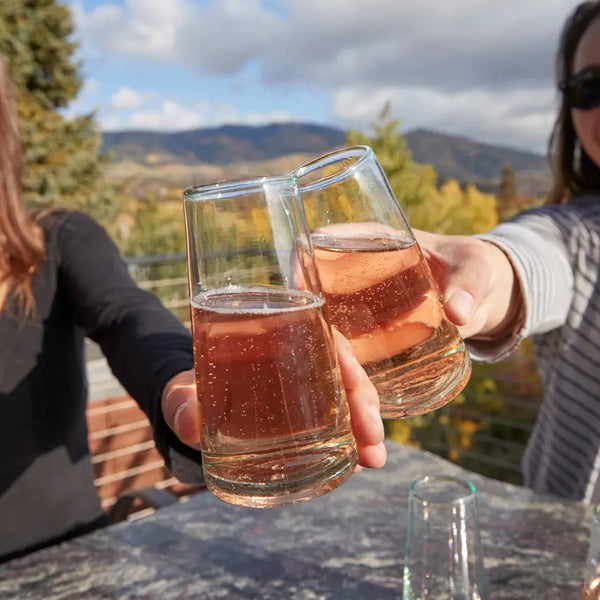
(574, 171)
(22, 247)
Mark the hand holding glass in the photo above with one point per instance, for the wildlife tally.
(379, 289)
(275, 424)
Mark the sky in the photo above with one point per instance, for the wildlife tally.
(482, 69)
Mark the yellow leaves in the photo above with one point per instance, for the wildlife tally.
(152, 159)
(261, 224)
(447, 209)
(321, 205)
(400, 431)
(461, 437)
(452, 210)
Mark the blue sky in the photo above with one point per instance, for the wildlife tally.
(476, 68)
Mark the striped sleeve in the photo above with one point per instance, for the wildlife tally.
(537, 246)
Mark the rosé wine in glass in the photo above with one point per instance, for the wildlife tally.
(378, 287)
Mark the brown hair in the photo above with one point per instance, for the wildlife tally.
(574, 171)
(22, 248)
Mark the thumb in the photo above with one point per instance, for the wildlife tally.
(466, 272)
(180, 408)
(460, 306)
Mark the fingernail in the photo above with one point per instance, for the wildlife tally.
(461, 303)
(375, 417)
(183, 406)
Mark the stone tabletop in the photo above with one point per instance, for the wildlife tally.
(348, 544)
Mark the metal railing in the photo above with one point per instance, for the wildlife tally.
(492, 444)
(165, 276)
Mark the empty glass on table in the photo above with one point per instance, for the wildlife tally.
(443, 558)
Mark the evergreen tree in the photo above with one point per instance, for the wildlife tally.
(508, 201)
(445, 210)
(63, 164)
(411, 183)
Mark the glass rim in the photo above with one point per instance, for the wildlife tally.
(361, 151)
(468, 487)
(232, 188)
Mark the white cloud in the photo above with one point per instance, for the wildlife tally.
(90, 87)
(172, 116)
(467, 63)
(125, 98)
(519, 118)
(225, 113)
(332, 43)
(220, 37)
(140, 27)
(256, 118)
(110, 122)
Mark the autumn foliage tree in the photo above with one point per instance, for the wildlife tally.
(447, 209)
(412, 184)
(509, 201)
(63, 163)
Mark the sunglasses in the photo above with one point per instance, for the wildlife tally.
(582, 90)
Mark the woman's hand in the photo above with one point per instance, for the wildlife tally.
(180, 407)
(363, 401)
(481, 292)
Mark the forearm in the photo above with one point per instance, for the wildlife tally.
(145, 350)
(543, 290)
(143, 342)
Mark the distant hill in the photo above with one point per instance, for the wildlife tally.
(455, 157)
(452, 157)
(224, 145)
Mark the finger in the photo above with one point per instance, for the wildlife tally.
(352, 372)
(466, 272)
(180, 408)
(460, 306)
(363, 402)
(373, 457)
(367, 425)
(467, 280)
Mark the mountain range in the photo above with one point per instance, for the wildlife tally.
(452, 157)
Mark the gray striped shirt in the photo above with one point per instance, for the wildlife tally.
(555, 251)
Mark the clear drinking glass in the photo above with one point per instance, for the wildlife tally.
(274, 416)
(379, 289)
(591, 586)
(443, 559)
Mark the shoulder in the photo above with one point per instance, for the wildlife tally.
(578, 217)
(71, 235)
(61, 221)
(579, 225)
(586, 207)
(63, 226)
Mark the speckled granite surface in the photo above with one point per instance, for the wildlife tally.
(348, 544)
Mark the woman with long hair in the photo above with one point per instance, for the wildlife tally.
(539, 275)
(61, 279)
(21, 239)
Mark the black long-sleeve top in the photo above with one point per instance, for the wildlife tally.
(46, 479)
